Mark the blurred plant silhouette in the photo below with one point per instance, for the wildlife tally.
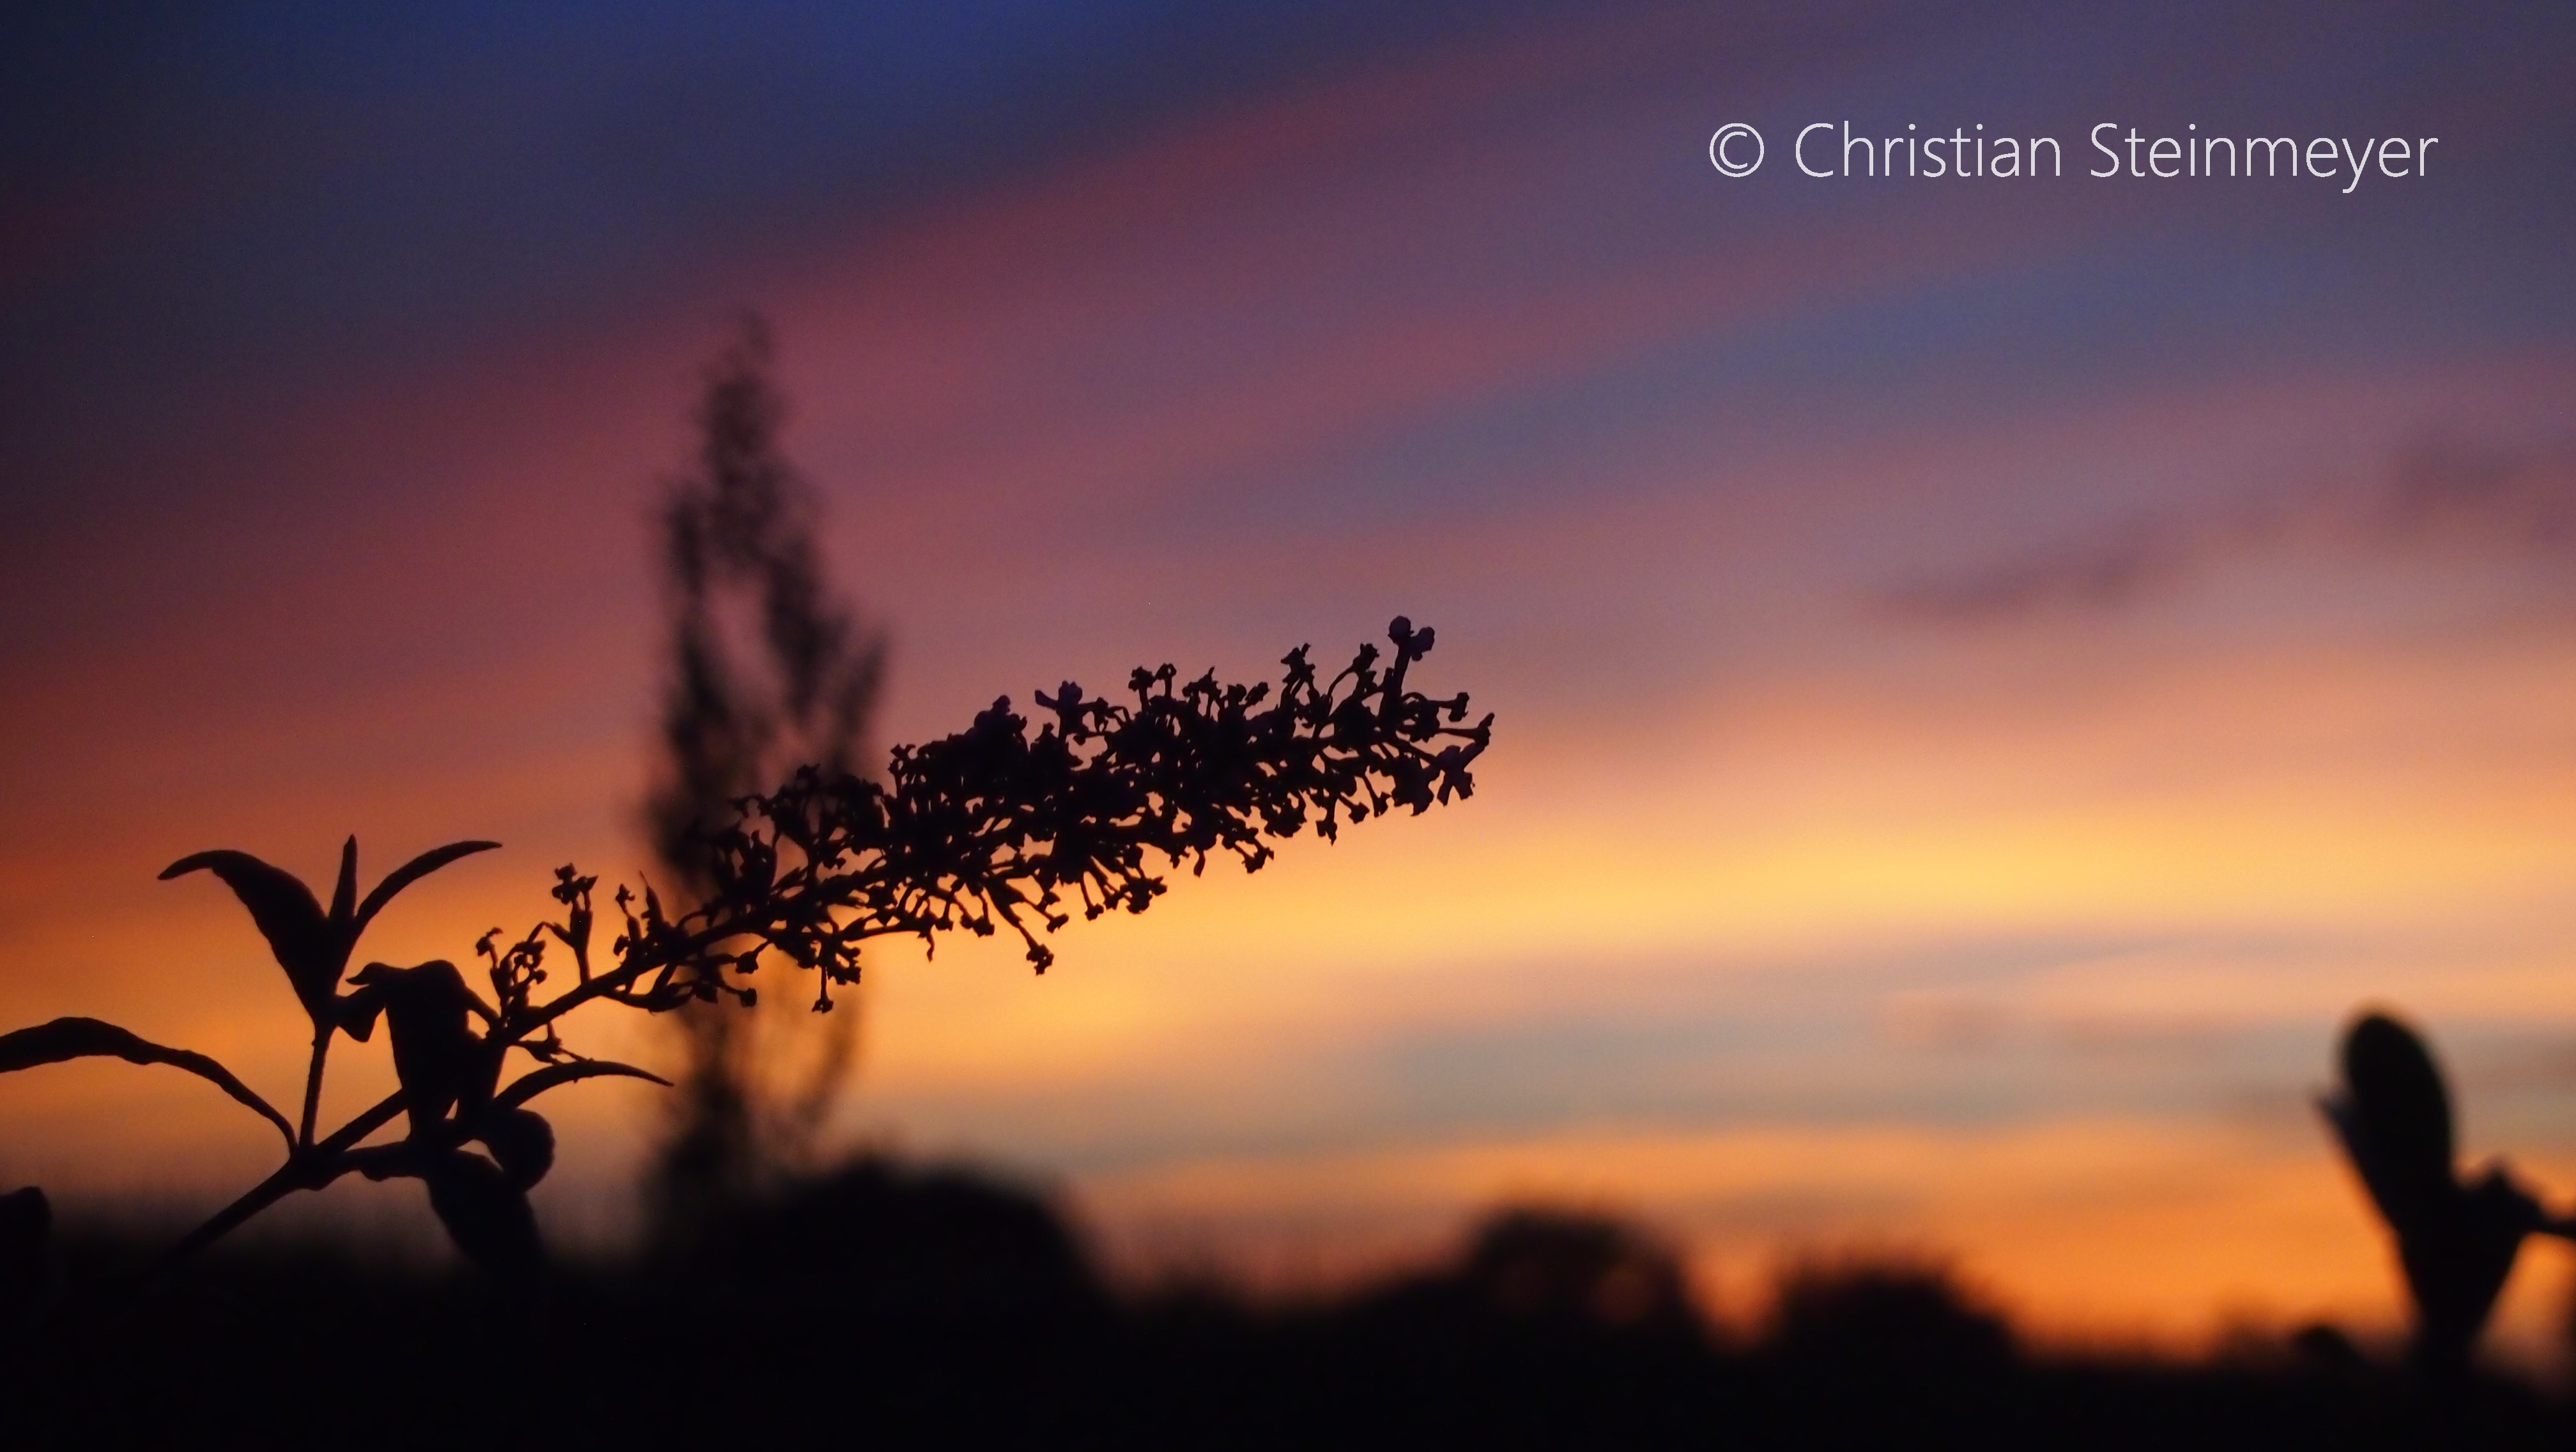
(1537, 1263)
(2457, 1237)
(1908, 1318)
(988, 830)
(767, 669)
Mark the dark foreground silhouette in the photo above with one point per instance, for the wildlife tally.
(895, 1307)
(2457, 1234)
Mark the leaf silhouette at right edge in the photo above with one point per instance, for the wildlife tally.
(83, 1038)
(2396, 1119)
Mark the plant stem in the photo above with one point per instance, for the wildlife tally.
(309, 1168)
(313, 1086)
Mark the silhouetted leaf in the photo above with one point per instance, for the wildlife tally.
(487, 1216)
(358, 1010)
(2395, 1118)
(2456, 1263)
(304, 942)
(425, 1008)
(409, 873)
(520, 1141)
(344, 893)
(84, 1038)
(2456, 1242)
(554, 1076)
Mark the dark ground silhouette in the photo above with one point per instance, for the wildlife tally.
(887, 1305)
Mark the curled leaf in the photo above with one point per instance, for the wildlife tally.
(83, 1038)
(521, 1142)
(487, 1216)
(425, 1008)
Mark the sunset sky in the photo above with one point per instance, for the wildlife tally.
(1989, 672)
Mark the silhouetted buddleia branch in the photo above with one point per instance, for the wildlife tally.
(988, 829)
(997, 828)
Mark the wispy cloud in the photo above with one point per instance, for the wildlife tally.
(2440, 497)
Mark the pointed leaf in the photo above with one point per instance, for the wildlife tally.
(554, 1076)
(487, 1216)
(409, 873)
(284, 909)
(82, 1038)
(344, 896)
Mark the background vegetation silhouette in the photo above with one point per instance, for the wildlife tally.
(767, 668)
